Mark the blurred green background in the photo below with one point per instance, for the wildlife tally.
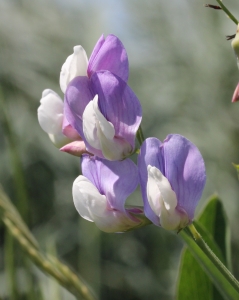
(183, 71)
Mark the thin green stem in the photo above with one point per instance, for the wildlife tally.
(140, 135)
(226, 10)
(216, 261)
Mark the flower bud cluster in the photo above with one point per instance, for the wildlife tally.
(98, 121)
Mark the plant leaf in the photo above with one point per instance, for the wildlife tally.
(193, 282)
(214, 219)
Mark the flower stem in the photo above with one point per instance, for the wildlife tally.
(230, 15)
(216, 261)
(140, 135)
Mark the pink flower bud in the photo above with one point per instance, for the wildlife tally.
(76, 148)
(235, 96)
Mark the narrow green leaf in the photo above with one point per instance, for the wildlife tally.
(214, 219)
(193, 283)
(213, 226)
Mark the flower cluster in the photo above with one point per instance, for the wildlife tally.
(99, 120)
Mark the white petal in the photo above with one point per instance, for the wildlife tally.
(153, 194)
(100, 133)
(90, 126)
(115, 221)
(163, 200)
(87, 199)
(50, 112)
(167, 194)
(75, 65)
(107, 128)
(92, 206)
(115, 149)
(50, 117)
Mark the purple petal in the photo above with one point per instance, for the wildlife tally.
(94, 53)
(150, 154)
(185, 170)
(114, 179)
(78, 94)
(109, 54)
(119, 104)
(181, 162)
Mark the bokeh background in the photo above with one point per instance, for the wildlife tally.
(183, 71)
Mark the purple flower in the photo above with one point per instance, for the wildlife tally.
(100, 193)
(108, 54)
(98, 102)
(172, 178)
(105, 112)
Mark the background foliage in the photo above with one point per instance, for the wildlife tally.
(184, 73)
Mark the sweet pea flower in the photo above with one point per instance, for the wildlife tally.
(172, 178)
(105, 112)
(53, 122)
(98, 102)
(108, 54)
(100, 193)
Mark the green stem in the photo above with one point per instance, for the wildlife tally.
(230, 15)
(201, 243)
(140, 135)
